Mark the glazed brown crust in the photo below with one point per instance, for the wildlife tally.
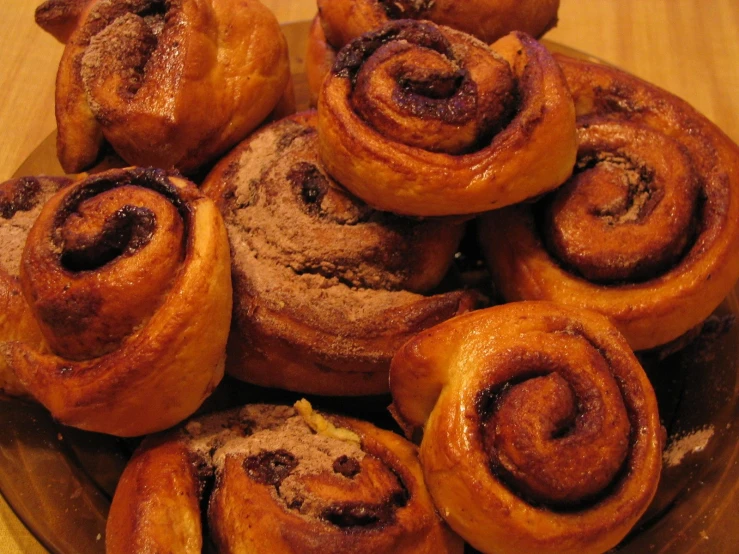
(319, 58)
(424, 120)
(541, 431)
(342, 22)
(127, 274)
(647, 197)
(326, 287)
(345, 20)
(647, 229)
(373, 500)
(59, 18)
(170, 84)
(156, 507)
(21, 200)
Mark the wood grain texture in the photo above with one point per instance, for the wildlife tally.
(689, 47)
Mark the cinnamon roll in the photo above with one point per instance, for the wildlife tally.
(167, 83)
(127, 274)
(326, 288)
(345, 20)
(424, 120)
(277, 481)
(540, 428)
(646, 231)
(20, 203)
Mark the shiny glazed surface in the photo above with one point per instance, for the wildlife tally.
(72, 518)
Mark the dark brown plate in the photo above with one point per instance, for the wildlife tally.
(59, 481)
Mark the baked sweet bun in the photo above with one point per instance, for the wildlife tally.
(646, 231)
(423, 120)
(326, 288)
(338, 22)
(540, 428)
(488, 20)
(278, 481)
(167, 84)
(20, 203)
(319, 58)
(127, 274)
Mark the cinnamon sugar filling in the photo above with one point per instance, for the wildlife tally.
(122, 38)
(21, 201)
(411, 83)
(278, 450)
(631, 210)
(556, 435)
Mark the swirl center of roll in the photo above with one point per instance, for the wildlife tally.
(631, 208)
(413, 84)
(125, 232)
(102, 242)
(553, 432)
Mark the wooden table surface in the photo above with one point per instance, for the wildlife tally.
(689, 47)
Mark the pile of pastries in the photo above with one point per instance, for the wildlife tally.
(204, 228)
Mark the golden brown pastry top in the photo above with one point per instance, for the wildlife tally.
(421, 119)
(319, 57)
(488, 20)
(59, 18)
(317, 272)
(21, 201)
(280, 481)
(647, 229)
(541, 431)
(168, 84)
(127, 274)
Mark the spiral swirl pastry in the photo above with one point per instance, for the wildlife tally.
(541, 431)
(168, 83)
(20, 204)
(127, 274)
(424, 120)
(647, 229)
(326, 288)
(345, 20)
(275, 480)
